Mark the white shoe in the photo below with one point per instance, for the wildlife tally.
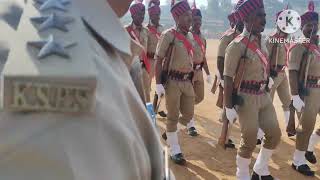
(261, 165)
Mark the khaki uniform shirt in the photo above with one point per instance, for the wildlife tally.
(198, 55)
(254, 68)
(225, 40)
(295, 58)
(153, 40)
(282, 52)
(142, 35)
(117, 141)
(181, 60)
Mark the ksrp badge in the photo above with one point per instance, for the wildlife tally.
(289, 21)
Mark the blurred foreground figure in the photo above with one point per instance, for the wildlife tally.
(70, 109)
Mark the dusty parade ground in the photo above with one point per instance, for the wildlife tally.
(207, 160)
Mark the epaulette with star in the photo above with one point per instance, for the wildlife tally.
(50, 68)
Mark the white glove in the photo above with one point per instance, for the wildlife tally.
(297, 103)
(271, 83)
(222, 83)
(220, 80)
(218, 75)
(160, 90)
(231, 114)
(209, 79)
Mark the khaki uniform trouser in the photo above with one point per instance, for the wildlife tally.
(152, 68)
(179, 99)
(281, 85)
(198, 86)
(147, 84)
(308, 119)
(257, 112)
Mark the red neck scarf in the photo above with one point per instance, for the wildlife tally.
(185, 41)
(154, 31)
(262, 56)
(199, 42)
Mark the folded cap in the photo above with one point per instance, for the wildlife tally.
(232, 18)
(137, 7)
(179, 7)
(248, 6)
(195, 10)
(310, 15)
(236, 13)
(278, 13)
(154, 7)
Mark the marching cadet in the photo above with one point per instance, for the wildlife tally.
(155, 30)
(304, 62)
(235, 30)
(140, 34)
(247, 93)
(174, 78)
(199, 63)
(277, 65)
(88, 131)
(135, 68)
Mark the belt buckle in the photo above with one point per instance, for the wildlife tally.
(262, 87)
(198, 66)
(318, 82)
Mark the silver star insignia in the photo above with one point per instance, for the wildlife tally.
(64, 2)
(53, 21)
(53, 4)
(51, 46)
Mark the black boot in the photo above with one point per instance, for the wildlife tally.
(230, 145)
(291, 135)
(255, 176)
(192, 132)
(311, 157)
(259, 141)
(303, 169)
(164, 136)
(162, 114)
(178, 159)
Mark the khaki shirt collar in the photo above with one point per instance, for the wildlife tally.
(151, 24)
(101, 17)
(179, 31)
(246, 33)
(135, 27)
(255, 38)
(235, 30)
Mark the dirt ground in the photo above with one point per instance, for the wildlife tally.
(208, 161)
